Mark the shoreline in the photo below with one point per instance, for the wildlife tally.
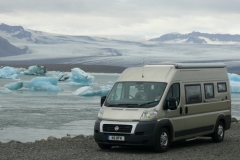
(81, 147)
(68, 67)
(234, 121)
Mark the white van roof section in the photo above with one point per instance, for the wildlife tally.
(190, 65)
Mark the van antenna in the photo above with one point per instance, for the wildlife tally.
(143, 68)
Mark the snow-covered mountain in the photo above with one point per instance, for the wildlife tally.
(47, 48)
(199, 38)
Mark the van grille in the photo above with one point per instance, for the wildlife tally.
(117, 128)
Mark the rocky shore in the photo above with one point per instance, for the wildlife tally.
(82, 147)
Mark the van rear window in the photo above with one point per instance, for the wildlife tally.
(222, 87)
(193, 93)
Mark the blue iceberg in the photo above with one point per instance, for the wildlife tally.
(14, 85)
(79, 77)
(37, 84)
(36, 70)
(8, 72)
(234, 82)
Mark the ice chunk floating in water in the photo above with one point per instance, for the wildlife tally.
(36, 70)
(43, 83)
(4, 91)
(79, 77)
(234, 82)
(8, 72)
(90, 91)
(38, 83)
(14, 86)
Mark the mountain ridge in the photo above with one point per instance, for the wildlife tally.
(197, 37)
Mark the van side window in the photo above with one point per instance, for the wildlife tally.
(209, 90)
(222, 87)
(193, 93)
(174, 91)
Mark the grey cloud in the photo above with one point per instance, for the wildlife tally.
(120, 7)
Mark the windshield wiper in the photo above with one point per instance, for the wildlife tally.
(148, 103)
(123, 104)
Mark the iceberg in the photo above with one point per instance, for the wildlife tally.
(14, 86)
(43, 84)
(8, 72)
(90, 91)
(234, 77)
(79, 77)
(86, 91)
(4, 91)
(105, 90)
(62, 76)
(36, 70)
(37, 84)
(235, 87)
(234, 82)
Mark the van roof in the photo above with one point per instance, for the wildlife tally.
(190, 65)
(174, 72)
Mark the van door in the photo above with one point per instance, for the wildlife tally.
(195, 111)
(175, 116)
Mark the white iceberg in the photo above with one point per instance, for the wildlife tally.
(8, 72)
(79, 77)
(36, 70)
(4, 91)
(62, 76)
(91, 91)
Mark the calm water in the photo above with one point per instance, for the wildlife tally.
(27, 116)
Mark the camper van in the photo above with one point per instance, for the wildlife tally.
(156, 105)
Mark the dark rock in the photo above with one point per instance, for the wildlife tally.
(234, 119)
(7, 49)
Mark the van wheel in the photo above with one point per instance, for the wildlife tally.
(104, 146)
(218, 134)
(162, 141)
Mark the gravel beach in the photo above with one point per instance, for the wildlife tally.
(81, 147)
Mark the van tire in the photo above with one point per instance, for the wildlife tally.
(218, 134)
(163, 140)
(104, 146)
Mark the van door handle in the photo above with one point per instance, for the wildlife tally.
(186, 110)
(180, 110)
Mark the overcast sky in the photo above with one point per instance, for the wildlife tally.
(150, 18)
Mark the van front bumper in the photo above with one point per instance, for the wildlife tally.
(143, 135)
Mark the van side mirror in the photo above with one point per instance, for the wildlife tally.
(172, 103)
(102, 100)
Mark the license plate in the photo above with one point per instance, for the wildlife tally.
(116, 138)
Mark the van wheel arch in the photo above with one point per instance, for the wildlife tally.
(167, 124)
(218, 134)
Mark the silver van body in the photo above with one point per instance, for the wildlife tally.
(155, 105)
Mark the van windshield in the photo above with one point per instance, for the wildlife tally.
(135, 94)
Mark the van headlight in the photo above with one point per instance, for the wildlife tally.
(100, 113)
(148, 114)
